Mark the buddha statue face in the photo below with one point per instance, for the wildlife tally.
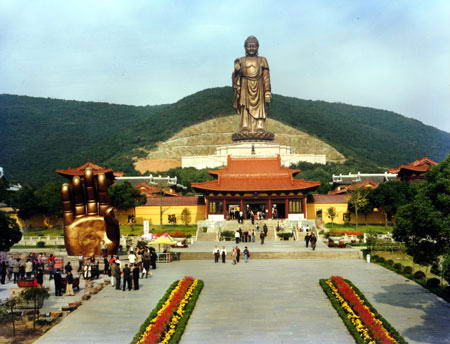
(251, 46)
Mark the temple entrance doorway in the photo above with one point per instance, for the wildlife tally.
(279, 209)
(257, 208)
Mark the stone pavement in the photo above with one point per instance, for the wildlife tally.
(264, 301)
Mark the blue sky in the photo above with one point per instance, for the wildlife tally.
(386, 54)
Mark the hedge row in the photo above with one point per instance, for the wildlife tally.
(432, 284)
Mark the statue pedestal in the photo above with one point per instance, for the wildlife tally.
(247, 136)
(250, 149)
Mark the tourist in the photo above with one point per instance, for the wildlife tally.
(21, 270)
(40, 276)
(265, 230)
(307, 238)
(233, 255)
(16, 268)
(253, 237)
(294, 233)
(3, 270)
(106, 270)
(117, 274)
(104, 249)
(146, 263)
(58, 282)
(136, 273)
(126, 277)
(237, 236)
(238, 254)
(69, 284)
(246, 254)
(80, 263)
(241, 217)
(28, 268)
(246, 236)
(132, 258)
(87, 271)
(313, 241)
(51, 261)
(262, 236)
(223, 254)
(216, 253)
(68, 268)
(153, 258)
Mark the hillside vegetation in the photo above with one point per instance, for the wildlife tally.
(39, 135)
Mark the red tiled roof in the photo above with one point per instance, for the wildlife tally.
(154, 191)
(255, 174)
(420, 165)
(172, 201)
(323, 199)
(79, 171)
(366, 184)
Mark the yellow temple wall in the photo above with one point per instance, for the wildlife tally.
(152, 213)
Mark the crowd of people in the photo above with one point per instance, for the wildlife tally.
(33, 267)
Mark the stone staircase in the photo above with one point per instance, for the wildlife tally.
(330, 254)
(206, 236)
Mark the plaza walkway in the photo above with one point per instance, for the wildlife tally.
(264, 301)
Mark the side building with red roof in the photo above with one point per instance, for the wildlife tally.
(255, 185)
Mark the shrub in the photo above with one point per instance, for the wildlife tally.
(433, 283)
(390, 262)
(227, 234)
(398, 266)
(381, 259)
(408, 270)
(446, 291)
(284, 236)
(419, 275)
(40, 244)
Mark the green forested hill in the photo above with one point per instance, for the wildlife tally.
(39, 135)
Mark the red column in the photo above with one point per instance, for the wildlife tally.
(241, 207)
(206, 208)
(286, 208)
(270, 208)
(305, 214)
(225, 212)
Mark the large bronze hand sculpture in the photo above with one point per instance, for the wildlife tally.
(89, 221)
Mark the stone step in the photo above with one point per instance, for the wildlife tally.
(338, 254)
(207, 236)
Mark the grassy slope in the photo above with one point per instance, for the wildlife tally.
(39, 135)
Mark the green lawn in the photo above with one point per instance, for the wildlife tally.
(361, 228)
(139, 230)
(124, 230)
(406, 260)
(45, 232)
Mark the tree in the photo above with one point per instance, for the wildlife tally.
(124, 196)
(8, 307)
(332, 214)
(357, 201)
(446, 267)
(25, 202)
(48, 199)
(388, 197)
(424, 224)
(35, 294)
(10, 233)
(186, 216)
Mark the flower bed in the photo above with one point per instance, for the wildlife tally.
(167, 321)
(361, 319)
(343, 233)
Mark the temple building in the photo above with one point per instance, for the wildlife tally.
(258, 185)
(414, 171)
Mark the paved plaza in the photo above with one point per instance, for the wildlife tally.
(264, 301)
